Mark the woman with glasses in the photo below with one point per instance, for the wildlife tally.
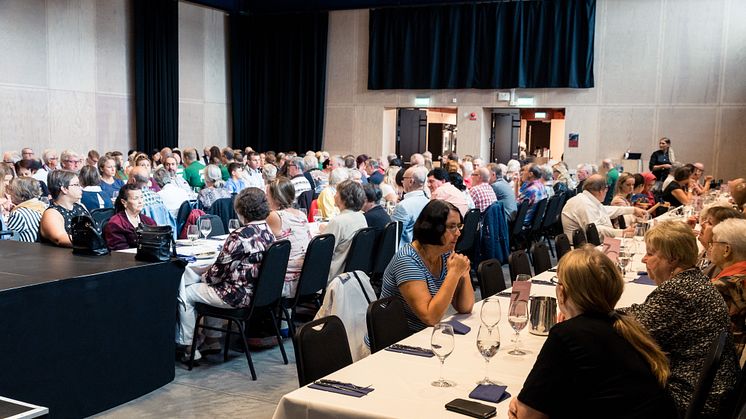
(64, 186)
(727, 250)
(427, 275)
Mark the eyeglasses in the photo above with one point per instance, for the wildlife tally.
(74, 184)
(453, 227)
(713, 242)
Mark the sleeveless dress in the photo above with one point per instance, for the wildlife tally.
(294, 228)
(67, 215)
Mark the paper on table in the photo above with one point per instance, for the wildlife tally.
(521, 291)
(610, 247)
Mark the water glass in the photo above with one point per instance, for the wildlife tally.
(518, 318)
(192, 233)
(490, 312)
(522, 277)
(205, 226)
(442, 343)
(488, 343)
(233, 224)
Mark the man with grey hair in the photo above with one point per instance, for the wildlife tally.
(477, 162)
(70, 161)
(417, 160)
(587, 207)
(481, 191)
(414, 201)
(171, 165)
(171, 195)
(503, 192)
(582, 172)
(140, 176)
(49, 163)
(295, 171)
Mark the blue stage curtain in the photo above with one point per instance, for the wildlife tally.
(527, 44)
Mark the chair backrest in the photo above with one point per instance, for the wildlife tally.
(315, 272)
(707, 376)
(540, 257)
(490, 276)
(553, 211)
(320, 349)
(359, 256)
(184, 210)
(541, 209)
(468, 234)
(562, 244)
(215, 222)
(101, 216)
(621, 222)
(305, 200)
(519, 264)
(387, 323)
(591, 233)
(223, 208)
(578, 238)
(520, 217)
(268, 286)
(387, 245)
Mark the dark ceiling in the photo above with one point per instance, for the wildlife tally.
(290, 6)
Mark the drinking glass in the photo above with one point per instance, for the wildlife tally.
(114, 196)
(442, 343)
(205, 226)
(490, 312)
(233, 224)
(192, 234)
(624, 259)
(522, 277)
(488, 343)
(518, 318)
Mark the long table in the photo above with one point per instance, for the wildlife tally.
(80, 335)
(402, 382)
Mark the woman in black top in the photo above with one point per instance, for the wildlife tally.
(55, 223)
(676, 193)
(660, 160)
(375, 215)
(597, 362)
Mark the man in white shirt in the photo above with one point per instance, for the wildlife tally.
(171, 165)
(587, 208)
(172, 195)
(253, 173)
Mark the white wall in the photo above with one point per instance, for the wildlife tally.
(662, 67)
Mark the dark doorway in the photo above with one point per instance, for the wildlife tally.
(435, 138)
(506, 126)
(538, 135)
(411, 132)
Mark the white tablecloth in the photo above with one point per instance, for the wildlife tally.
(402, 382)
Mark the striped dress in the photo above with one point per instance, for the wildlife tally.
(24, 222)
(407, 265)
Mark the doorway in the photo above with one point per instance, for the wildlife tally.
(519, 133)
(426, 129)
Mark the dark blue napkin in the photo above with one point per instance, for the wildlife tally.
(341, 390)
(188, 258)
(412, 351)
(458, 327)
(644, 279)
(490, 393)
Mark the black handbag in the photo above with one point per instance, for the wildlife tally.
(86, 237)
(155, 243)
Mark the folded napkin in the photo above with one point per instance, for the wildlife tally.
(411, 350)
(644, 279)
(490, 393)
(542, 282)
(458, 327)
(342, 388)
(504, 294)
(188, 258)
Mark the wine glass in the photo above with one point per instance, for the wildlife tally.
(488, 343)
(205, 226)
(490, 312)
(518, 318)
(442, 343)
(624, 259)
(192, 234)
(522, 277)
(233, 224)
(114, 196)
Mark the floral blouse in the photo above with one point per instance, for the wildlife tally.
(732, 286)
(242, 252)
(685, 315)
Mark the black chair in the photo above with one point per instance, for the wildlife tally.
(305, 200)
(216, 223)
(359, 256)
(591, 232)
(707, 376)
(184, 210)
(516, 226)
(101, 216)
(388, 243)
(8, 233)
(313, 277)
(321, 348)
(466, 241)
(386, 322)
(737, 402)
(540, 258)
(537, 221)
(266, 298)
(223, 208)
(519, 264)
(490, 276)
(578, 239)
(562, 244)
(621, 222)
(551, 218)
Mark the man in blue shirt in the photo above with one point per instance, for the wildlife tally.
(503, 191)
(414, 201)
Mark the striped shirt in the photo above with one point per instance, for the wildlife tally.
(407, 265)
(25, 223)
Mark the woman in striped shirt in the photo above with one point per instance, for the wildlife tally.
(25, 217)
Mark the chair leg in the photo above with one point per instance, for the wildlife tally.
(242, 329)
(227, 342)
(194, 341)
(279, 336)
(289, 319)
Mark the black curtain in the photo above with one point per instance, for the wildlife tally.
(156, 73)
(278, 80)
(529, 44)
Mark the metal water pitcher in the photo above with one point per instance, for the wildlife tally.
(543, 315)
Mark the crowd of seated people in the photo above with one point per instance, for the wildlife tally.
(39, 198)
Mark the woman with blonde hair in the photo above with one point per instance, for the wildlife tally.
(625, 184)
(597, 359)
